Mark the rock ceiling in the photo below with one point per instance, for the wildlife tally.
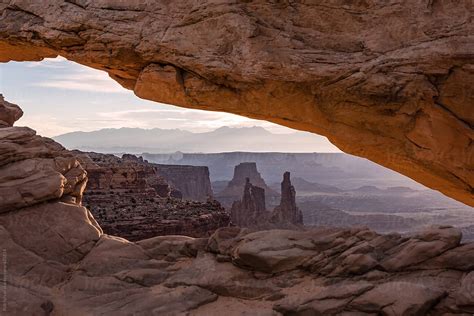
(391, 81)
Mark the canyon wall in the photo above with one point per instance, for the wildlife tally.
(130, 199)
(129, 174)
(192, 181)
(391, 81)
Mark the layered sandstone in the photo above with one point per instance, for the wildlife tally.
(391, 81)
(34, 169)
(128, 174)
(130, 199)
(192, 181)
(59, 262)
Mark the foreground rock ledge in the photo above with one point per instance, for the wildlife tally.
(76, 270)
(390, 81)
(59, 262)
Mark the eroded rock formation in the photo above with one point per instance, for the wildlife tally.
(128, 174)
(235, 187)
(34, 169)
(390, 81)
(130, 199)
(59, 262)
(192, 181)
(287, 211)
(251, 209)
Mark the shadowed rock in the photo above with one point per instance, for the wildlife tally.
(287, 211)
(250, 210)
(192, 182)
(233, 191)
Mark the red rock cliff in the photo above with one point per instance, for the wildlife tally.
(192, 181)
(130, 199)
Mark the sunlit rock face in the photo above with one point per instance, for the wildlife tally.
(391, 81)
(58, 261)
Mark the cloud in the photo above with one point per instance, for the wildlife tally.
(82, 84)
(92, 110)
(76, 77)
(46, 125)
(52, 63)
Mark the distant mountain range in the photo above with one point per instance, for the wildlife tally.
(224, 139)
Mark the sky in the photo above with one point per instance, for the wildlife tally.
(59, 96)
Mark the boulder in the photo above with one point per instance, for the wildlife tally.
(426, 245)
(273, 251)
(32, 181)
(54, 231)
(222, 278)
(398, 298)
(465, 294)
(459, 258)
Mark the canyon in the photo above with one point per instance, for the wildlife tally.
(59, 261)
(131, 198)
(399, 96)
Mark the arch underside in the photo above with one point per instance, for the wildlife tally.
(391, 82)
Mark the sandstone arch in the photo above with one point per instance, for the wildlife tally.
(391, 81)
